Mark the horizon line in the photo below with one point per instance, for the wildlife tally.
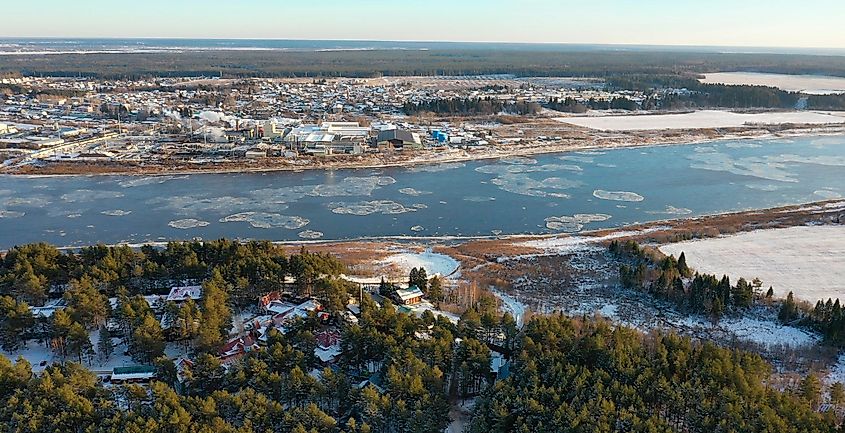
(423, 41)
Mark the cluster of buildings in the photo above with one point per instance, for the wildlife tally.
(199, 120)
(276, 311)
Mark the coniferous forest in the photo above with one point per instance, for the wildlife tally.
(394, 372)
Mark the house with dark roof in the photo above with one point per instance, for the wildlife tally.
(398, 139)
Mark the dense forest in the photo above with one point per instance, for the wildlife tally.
(395, 372)
(701, 95)
(522, 62)
(581, 376)
(474, 106)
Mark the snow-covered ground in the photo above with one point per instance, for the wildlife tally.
(422, 307)
(765, 332)
(433, 263)
(700, 120)
(36, 353)
(512, 306)
(570, 244)
(808, 260)
(837, 372)
(810, 84)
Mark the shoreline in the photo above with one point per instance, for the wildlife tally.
(598, 141)
(779, 216)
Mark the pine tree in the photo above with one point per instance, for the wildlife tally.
(78, 343)
(147, 342)
(788, 310)
(216, 315)
(811, 388)
(837, 394)
(105, 347)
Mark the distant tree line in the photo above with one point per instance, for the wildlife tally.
(570, 105)
(478, 60)
(471, 106)
(701, 95)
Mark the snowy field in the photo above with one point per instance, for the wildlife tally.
(700, 120)
(433, 263)
(809, 84)
(807, 260)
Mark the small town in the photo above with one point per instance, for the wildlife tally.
(202, 123)
(484, 216)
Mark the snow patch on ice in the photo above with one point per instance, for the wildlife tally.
(574, 223)
(364, 208)
(671, 210)
(617, 195)
(9, 214)
(310, 234)
(116, 212)
(413, 192)
(87, 195)
(188, 223)
(264, 220)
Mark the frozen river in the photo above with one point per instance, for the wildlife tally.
(547, 194)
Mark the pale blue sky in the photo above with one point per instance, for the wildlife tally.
(773, 23)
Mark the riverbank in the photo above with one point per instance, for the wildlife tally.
(523, 139)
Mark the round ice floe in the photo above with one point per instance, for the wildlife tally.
(116, 212)
(363, 208)
(11, 214)
(671, 210)
(352, 186)
(30, 201)
(742, 145)
(518, 160)
(417, 228)
(772, 168)
(264, 220)
(574, 223)
(189, 205)
(617, 195)
(413, 192)
(577, 158)
(520, 169)
(524, 185)
(87, 195)
(479, 199)
(188, 223)
(143, 181)
(827, 194)
(437, 168)
(288, 194)
(762, 187)
(310, 234)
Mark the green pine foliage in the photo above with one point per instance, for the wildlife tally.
(582, 376)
